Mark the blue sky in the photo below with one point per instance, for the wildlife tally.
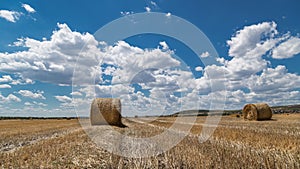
(257, 43)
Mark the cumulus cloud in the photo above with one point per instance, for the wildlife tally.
(39, 103)
(76, 94)
(222, 60)
(28, 104)
(3, 86)
(164, 45)
(248, 73)
(148, 9)
(248, 46)
(215, 72)
(274, 80)
(204, 55)
(154, 79)
(198, 68)
(153, 70)
(11, 16)
(64, 99)
(15, 81)
(5, 78)
(34, 104)
(130, 60)
(9, 98)
(21, 81)
(247, 39)
(124, 13)
(28, 8)
(30, 94)
(53, 60)
(153, 3)
(287, 49)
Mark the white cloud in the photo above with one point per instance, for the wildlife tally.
(204, 54)
(9, 98)
(131, 60)
(155, 70)
(56, 67)
(245, 67)
(64, 99)
(3, 86)
(223, 61)
(248, 46)
(14, 98)
(76, 94)
(168, 14)
(34, 104)
(5, 78)
(273, 80)
(28, 8)
(28, 104)
(287, 49)
(19, 80)
(19, 42)
(164, 45)
(215, 72)
(153, 3)
(125, 13)
(11, 16)
(198, 68)
(148, 9)
(249, 77)
(27, 93)
(248, 38)
(53, 60)
(40, 65)
(40, 104)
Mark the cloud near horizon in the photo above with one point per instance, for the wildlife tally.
(152, 79)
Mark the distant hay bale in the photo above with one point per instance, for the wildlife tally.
(258, 111)
(106, 111)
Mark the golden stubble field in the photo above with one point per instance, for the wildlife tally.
(235, 144)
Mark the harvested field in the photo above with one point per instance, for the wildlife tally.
(235, 144)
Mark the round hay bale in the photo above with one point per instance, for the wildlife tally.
(106, 111)
(258, 111)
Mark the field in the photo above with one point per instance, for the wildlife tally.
(235, 144)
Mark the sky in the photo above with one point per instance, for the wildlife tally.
(56, 56)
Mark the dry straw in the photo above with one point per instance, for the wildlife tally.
(106, 111)
(258, 111)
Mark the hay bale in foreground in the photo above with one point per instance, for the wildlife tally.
(258, 111)
(106, 111)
